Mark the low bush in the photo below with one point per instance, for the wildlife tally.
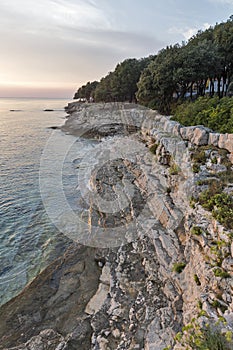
(214, 113)
(207, 338)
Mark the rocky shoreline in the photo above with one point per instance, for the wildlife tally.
(139, 290)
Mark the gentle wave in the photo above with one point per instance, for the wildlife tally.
(28, 240)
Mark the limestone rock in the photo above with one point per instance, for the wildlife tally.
(129, 296)
(226, 141)
(48, 339)
(198, 135)
(213, 139)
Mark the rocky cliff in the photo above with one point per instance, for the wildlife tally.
(155, 253)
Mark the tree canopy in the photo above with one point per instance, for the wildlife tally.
(175, 74)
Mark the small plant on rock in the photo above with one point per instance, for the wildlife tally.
(218, 272)
(193, 337)
(196, 168)
(179, 267)
(174, 169)
(196, 230)
(153, 148)
(197, 280)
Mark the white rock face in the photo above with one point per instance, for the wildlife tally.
(48, 339)
(226, 141)
(84, 117)
(198, 135)
(140, 301)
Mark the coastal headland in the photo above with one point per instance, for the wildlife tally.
(155, 249)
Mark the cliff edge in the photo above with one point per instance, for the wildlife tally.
(153, 265)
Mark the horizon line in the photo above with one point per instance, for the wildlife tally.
(42, 97)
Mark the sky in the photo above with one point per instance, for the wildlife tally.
(49, 48)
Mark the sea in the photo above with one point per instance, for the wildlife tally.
(29, 240)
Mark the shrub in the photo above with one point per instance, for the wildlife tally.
(211, 340)
(196, 338)
(179, 267)
(219, 203)
(213, 113)
(221, 206)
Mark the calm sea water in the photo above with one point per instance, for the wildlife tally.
(28, 239)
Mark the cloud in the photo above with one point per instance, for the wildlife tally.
(47, 14)
(188, 32)
(224, 2)
(60, 42)
(63, 41)
(69, 54)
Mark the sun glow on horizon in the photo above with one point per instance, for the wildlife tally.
(55, 46)
(37, 90)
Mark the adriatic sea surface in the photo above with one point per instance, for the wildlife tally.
(28, 239)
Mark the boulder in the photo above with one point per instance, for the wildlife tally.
(213, 139)
(198, 135)
(226, 141)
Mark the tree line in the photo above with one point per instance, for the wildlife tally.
(176, 73)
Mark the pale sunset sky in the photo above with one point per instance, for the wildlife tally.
(51, 47)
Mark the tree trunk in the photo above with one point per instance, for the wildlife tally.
(219, 87)
(211, 87)
(191, 91)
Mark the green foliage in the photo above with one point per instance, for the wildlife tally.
(214, 113)
(179, 267)
(121, 85)
(193, 202)
(197, 280)
(178, 72)
(196, 230)
(229, 336)
(156, 84)
(218, 272)
(199, 156)
(86, 91)
(214, 160)
(196, 168)
(153, 148)
(220, 205)
(218, 305)
(193, 337)
(174, 169)
(202, 313)
(186, 69)
(211, 340)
